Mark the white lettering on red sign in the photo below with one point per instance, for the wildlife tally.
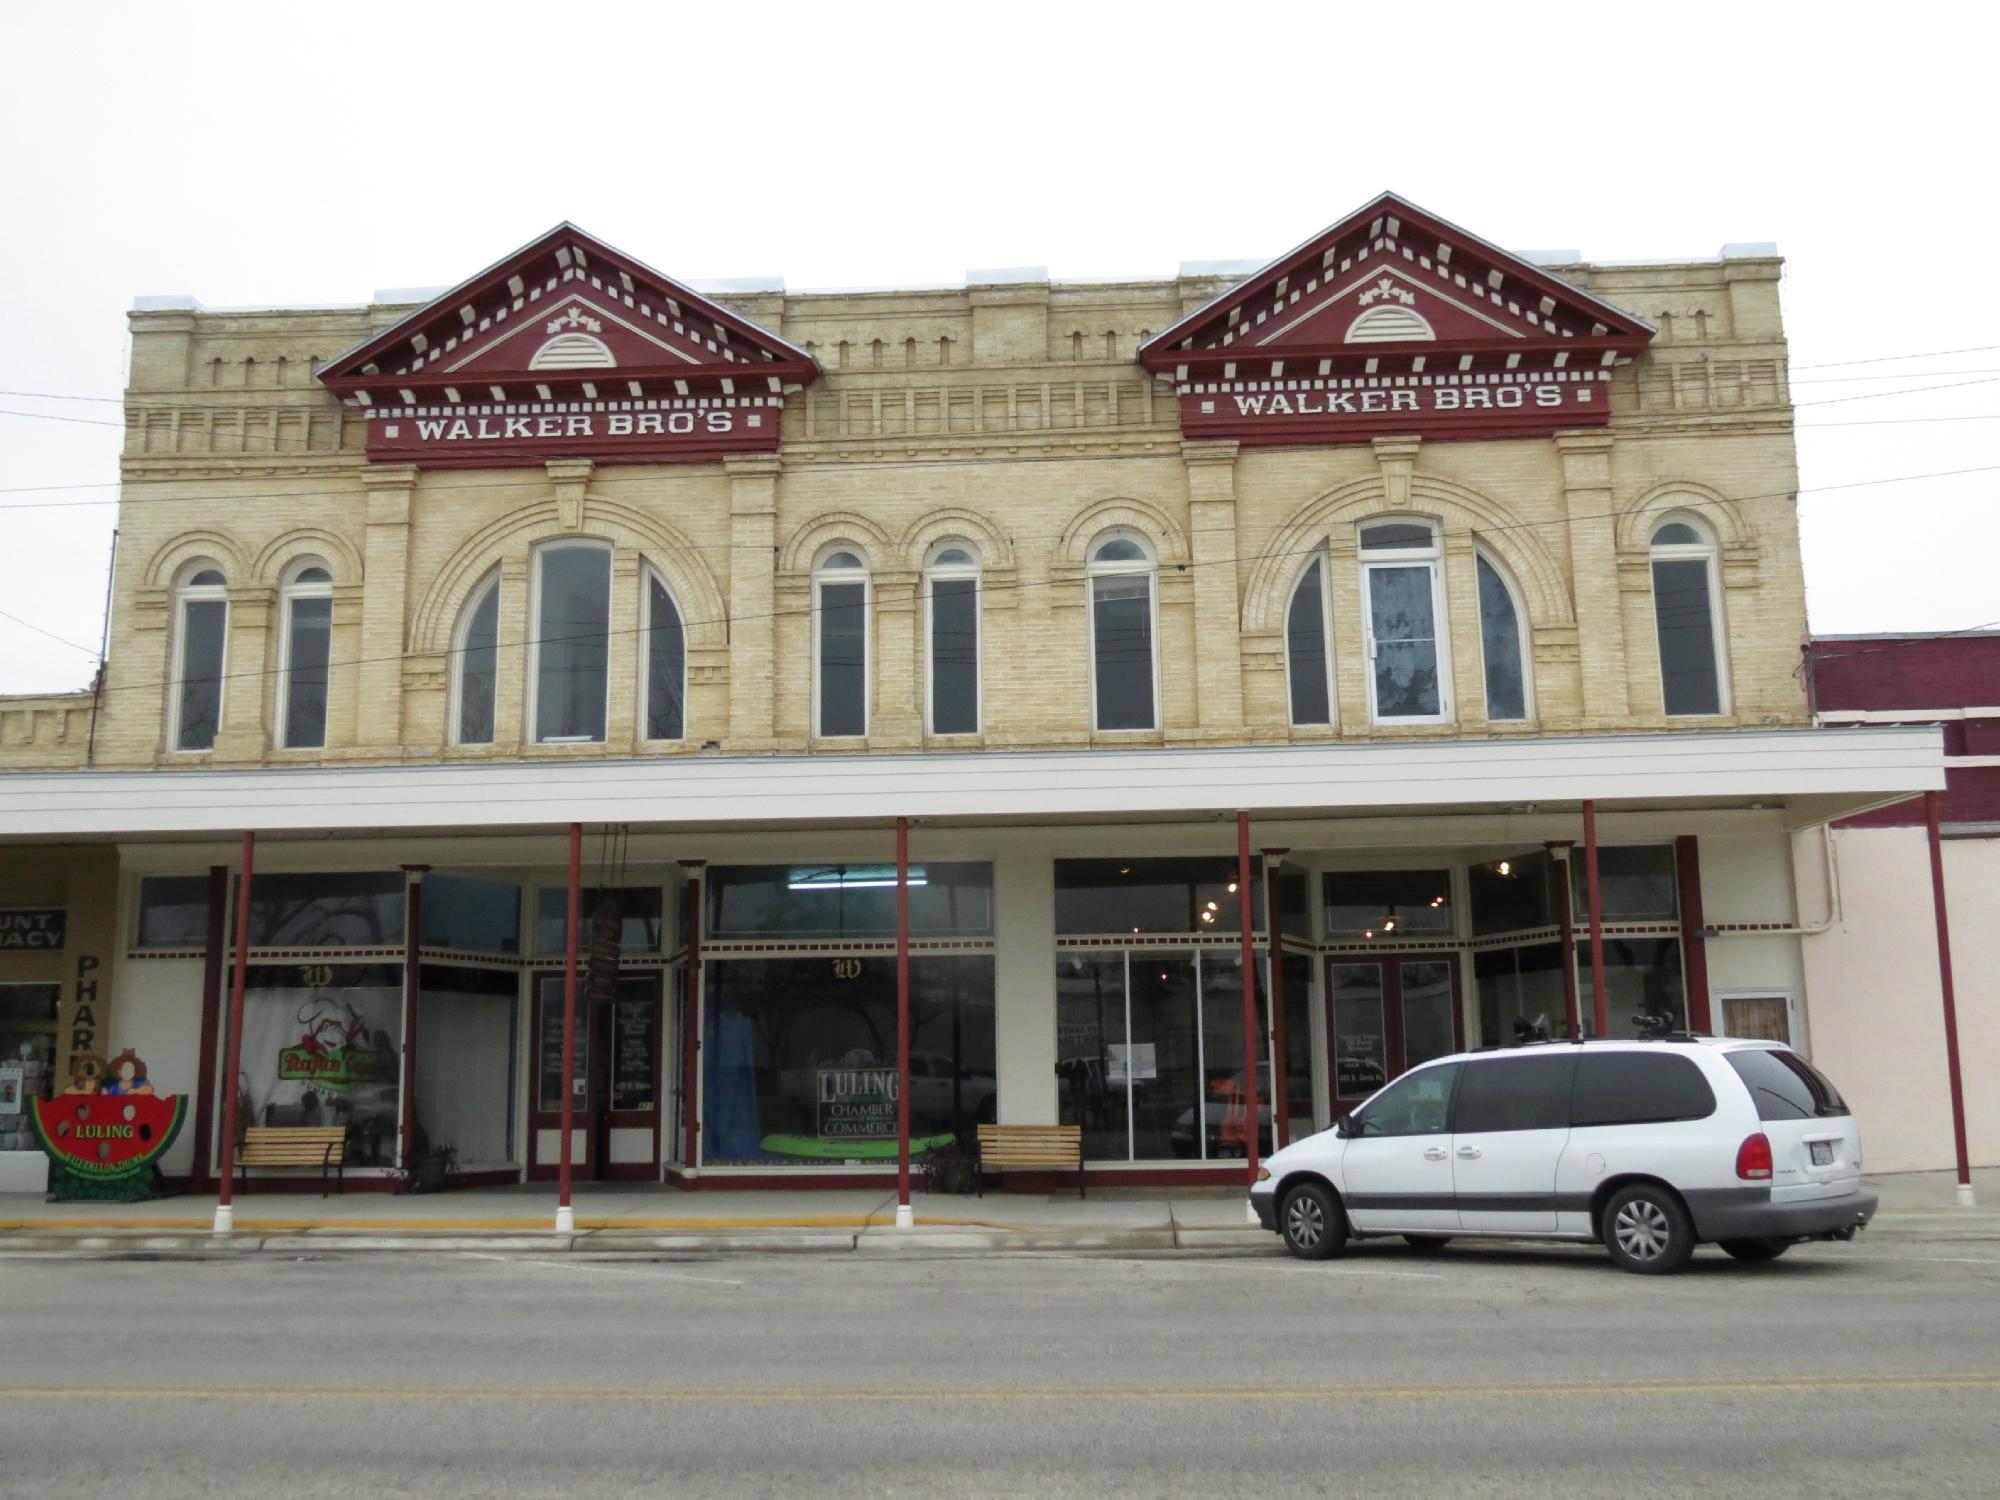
(1419, 399)
(574, 425)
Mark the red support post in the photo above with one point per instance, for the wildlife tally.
(213, 966)
(413, 920)
(1952, 1072)
(565, 1215)
(1559, 851)
(1244, 911)
(225, 1206)
(1274, 926)
(691, 1019)
(905, 1218)
(1599, 1004)
(1694, 932)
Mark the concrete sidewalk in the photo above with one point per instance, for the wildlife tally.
(649, 1219)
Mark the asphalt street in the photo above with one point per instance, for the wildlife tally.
(1872, 1368)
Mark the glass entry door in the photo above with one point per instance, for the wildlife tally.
(615, 1081)
(1388, 1014)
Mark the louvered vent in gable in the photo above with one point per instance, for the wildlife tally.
(1389, 324)
(573, 351)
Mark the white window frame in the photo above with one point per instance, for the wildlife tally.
(1523, 636)
(865, 576)
(187, 593)
(934, 572)
(1326, 639)
(535, 640)
(1149, 567)
(1431, 557)
(289, 594)
(1705, 551)
(648, 576)
(489, 585)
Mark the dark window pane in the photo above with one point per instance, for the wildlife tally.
(1090, 1031)
(666, 663)
(847, 901)
(1360, 1044)
(1122, 637)
(1638, 1088)
(1295, 902)
(1642, 986)
(334, 910)
(476, 671)
(1428, 1010)
(1785, 1085)
(1161, 1067)
(1521, 993)
(1417, 1104)
(1305, 645)
(1395, 534)
(843, 660)
(483, 916)
(1635, 882)
(173, 911)
(1676, 534)
(954, 656)
(204, 622)
(1154, 895)
(1387, 902)
(1500, 639)
(305, 674)
(1298, 977)
(1514, 1093)
(1515, 893)
(640, 906)
(574, 643)
(1688, 674)
(1403, 625)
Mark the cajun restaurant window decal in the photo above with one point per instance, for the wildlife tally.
(321, 1046)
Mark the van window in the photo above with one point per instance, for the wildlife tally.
(1514, 1093)
(1638, 1088)
(1785, 1085)
(1416, 1104)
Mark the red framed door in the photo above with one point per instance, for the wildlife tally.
(545, 1097)
(631, 1078)
(1386, 1013)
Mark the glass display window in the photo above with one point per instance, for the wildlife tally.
(173, 912)
(337, 909)
(323, 1045)
(837, 900)
(641, 908)
(1388, 903)
(1188, 895)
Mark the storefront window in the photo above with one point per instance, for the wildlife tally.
(1387, 903)
(334, 910)
(1634, 884)
(466, 1057)
(322, 1045)
(479, 916)
(1514, 893)
(1643, 989)
(1521, 993)
(1361, 1038)
(28, 1019)
(1298, 976)
(1102, 896)
(847, 900)
(800, 1058)
(640, 906)
(173, 911)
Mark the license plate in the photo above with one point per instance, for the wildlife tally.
(1822, 1153)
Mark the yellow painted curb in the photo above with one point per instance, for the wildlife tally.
(538, 1224)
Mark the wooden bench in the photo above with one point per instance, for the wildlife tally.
(322, 1146)
(1007, 1148)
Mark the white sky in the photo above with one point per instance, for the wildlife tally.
(275, 154)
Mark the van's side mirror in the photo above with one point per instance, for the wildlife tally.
(1344, 1127)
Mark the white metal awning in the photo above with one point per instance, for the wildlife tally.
(1814, 775)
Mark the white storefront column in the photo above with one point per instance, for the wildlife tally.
(1024, 986)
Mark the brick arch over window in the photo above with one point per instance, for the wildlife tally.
(307, 541)
(1724, 516)
(996, 552)
(803, 549)
(183, 548)
(1457, 509)
(703, 609)
(1170, 543)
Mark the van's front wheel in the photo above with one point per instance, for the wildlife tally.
(1312, 1222)
(1647, 1230)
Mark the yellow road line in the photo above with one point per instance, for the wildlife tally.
(808, 1395)
(539, 1225)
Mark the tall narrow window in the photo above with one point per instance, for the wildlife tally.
(666, 664)
(308, 631)
(840, 655)
(1687, 612)
(1409, 670)
(1124, 669)
(951, 595)
(201, 630)
(572, 634)
(1500, 644)
(1306, 658)
(475, 675)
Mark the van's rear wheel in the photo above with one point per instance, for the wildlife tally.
(1312, 1222)
(1647, 1230)
(1754, 1251)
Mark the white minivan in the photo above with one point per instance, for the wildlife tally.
(1650, 1147)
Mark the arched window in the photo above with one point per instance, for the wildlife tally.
(1502, 643)
(201, 634)
(571, 632)
(1308, 662)
(951, 622)
(1687, 610)
(475, 671)
(1125, 669)
(1402, 590)
(306, 632)
(840, 646)
(666, 663)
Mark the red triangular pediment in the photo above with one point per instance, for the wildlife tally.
(1391, 278)
(565, 312)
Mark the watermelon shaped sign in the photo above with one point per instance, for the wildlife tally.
(105, 1145)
